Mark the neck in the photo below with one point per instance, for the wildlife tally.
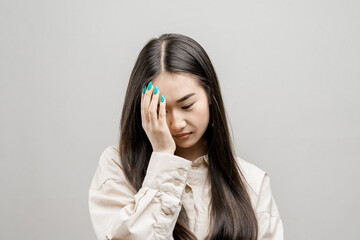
(194, 152)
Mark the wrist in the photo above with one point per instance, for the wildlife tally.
(170, 151)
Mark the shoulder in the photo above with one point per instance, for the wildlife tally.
(110, 160)
(109, 167)
(110, 156)
(254, 176)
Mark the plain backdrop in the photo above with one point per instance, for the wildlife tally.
(289, 73)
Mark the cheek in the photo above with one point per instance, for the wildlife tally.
(201, 115)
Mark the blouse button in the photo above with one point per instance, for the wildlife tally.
(167, 211)
(181, 172)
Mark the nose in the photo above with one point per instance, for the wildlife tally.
(176, 122)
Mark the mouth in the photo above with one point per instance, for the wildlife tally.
(182, 135)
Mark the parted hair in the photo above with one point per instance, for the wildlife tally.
(231, 214)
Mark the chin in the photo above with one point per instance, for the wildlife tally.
(187, 144)
(184, 144)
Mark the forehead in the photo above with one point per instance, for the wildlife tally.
(176, 85)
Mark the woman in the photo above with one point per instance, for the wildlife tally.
(174, 174)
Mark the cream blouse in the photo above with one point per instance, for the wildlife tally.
(117, 211)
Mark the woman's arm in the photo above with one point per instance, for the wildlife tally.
(118, 212)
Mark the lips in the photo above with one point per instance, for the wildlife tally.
(182, 134)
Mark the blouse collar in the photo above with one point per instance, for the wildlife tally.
(201, 160)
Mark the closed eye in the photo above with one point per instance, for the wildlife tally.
(186, 107)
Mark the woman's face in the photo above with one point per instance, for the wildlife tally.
(187, 108)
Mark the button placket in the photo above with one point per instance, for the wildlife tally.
(177, 182)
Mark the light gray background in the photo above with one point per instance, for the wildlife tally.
(289, 74)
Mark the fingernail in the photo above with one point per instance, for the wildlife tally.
(149, 86)
(155, 90)
(144, 89)
(162, 98)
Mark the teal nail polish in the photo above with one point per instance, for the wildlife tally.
(155, 90)
(162, 98)
(144, 89)
(149, 87)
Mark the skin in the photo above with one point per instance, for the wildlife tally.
(163, 120)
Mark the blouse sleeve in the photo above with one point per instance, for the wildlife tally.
(269, 221)
(118, 212)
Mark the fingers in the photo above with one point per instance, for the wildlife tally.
(142, 105)
(146, 102)
(153, 107)
(162, 110)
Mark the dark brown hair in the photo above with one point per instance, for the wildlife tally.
(232, 215)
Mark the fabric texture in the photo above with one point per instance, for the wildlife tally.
(117, 211)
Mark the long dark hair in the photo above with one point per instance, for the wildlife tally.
(232, 216)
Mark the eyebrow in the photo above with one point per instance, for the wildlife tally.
(185, 97)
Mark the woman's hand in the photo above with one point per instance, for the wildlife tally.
(155, 126)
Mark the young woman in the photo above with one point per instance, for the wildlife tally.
(174, 174)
